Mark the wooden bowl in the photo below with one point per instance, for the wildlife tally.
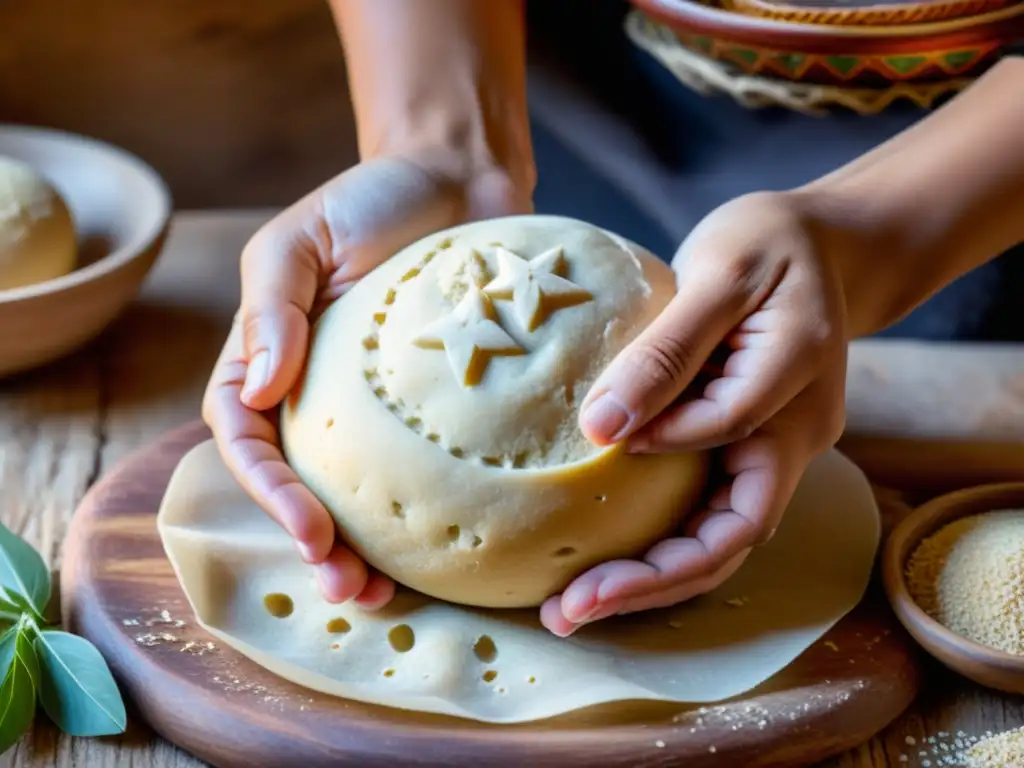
(121, 208)
(848, 56)
(985, 666)
(864, 12)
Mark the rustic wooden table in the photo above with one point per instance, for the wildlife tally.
(63, 427)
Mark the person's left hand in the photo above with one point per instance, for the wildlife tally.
(756, 279)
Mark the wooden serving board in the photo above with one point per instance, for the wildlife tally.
(119, 591)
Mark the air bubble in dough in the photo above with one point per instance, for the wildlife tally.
(37, 233)
(452, 377)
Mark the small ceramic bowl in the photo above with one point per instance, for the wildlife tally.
(121, 208)
(985, 666)
(846, 56)
(864, 12)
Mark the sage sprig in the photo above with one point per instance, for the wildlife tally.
(40, 665)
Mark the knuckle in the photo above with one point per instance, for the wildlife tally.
(745, 271)
(664, 359)
(738, 424)
(820, 337)
(251, 321)
(257, 326)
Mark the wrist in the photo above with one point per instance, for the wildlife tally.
(934, 202)
(459, 143)
(872, 250)
(441, 83)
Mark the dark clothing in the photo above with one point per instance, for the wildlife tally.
(620, 142)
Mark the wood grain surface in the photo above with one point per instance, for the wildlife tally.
(63, 427)
(121, 593)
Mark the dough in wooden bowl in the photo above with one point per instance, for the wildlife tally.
(437, 418)
(37, 234)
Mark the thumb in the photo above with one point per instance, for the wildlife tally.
(280, 274)
(323, 243)
(653, 370)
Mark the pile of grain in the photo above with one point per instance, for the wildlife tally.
(1000, 751)
(969, 576)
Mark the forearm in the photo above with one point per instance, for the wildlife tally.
(442, 77)
(930, 205)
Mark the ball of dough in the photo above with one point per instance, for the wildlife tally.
(437, 417)
(37, 233)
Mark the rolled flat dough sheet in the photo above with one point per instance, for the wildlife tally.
(228, 556)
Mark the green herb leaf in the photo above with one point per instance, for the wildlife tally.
(26, 654)
(78, 692)
(6, 620)
(21, 604)
(8, 641)
(9, 606)
(17, 699)
(23, 571)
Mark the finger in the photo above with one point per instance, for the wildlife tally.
(379, 591)
(323, 243)
(765, 470)
(280, 272)
(559, 624)
(552, 618)
(341, 576)
(248, 440)
(713, 298)
(757, 382)
(680, 593)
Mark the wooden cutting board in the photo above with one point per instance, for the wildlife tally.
(119, 591)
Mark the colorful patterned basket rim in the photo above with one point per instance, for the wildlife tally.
(707, 76)
(895, 13)
(683, 11)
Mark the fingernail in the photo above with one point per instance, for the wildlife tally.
(578, 602)
(306, 551)
(605, 611)
(587, 616)
(607, 416)
(257, 373)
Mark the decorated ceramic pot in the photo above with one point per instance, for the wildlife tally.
(869, 56)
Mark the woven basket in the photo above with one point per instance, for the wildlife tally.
(708, 76)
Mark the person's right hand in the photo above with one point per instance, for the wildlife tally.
(294, 266)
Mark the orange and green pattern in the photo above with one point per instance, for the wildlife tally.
(837, 68)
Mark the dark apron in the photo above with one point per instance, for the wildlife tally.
(620, 142)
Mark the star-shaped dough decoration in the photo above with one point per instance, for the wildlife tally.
(469, 336)
(536, 287)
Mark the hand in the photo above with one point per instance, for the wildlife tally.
(292, 267)
(757, 281)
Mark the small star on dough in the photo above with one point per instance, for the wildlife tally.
(469, 337)
(536, 288)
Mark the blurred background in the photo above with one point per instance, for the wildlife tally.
(241, 103)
